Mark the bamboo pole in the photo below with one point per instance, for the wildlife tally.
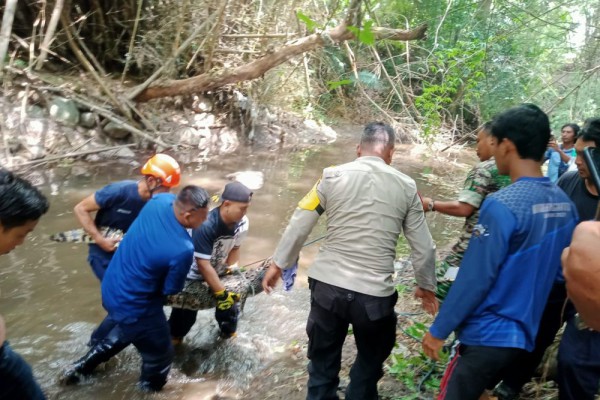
(140, 88)
(132, 41)
(56, 12)
(5, 30)
(88, 67)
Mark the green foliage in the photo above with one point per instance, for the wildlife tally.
(311, 25)
(416, 372)
(334, 85)
(456, 71)
(400, 288)
(365, 34)
(402, 247)
(479, 58)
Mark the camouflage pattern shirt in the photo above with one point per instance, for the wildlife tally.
(481, 181)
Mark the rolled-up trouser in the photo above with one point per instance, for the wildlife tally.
(16, 379)
(578, 363)
(181, 321)
(373, 321)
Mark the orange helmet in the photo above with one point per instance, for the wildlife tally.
(165, 168)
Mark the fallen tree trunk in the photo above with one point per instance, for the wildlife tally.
(257, 68)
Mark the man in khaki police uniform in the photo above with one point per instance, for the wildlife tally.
(368, 205)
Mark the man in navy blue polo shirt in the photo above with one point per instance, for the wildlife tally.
(150, 263)
(117, 205)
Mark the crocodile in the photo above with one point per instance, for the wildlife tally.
(79, 235)
(197, 295)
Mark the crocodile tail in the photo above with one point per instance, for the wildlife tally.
(79, 235)
(73, 236)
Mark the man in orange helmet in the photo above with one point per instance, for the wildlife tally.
(118, 204)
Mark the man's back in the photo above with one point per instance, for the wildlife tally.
(151, 261)
(368, 205)
(120, 203)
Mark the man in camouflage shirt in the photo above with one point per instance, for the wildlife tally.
(481, 181)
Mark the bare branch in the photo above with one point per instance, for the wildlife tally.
(257, 68)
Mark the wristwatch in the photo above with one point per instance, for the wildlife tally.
(431, 206)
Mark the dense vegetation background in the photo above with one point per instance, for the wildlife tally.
(477, 58)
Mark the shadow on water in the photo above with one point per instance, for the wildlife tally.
(51, 300)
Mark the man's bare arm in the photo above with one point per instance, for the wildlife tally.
(209, 274)
(454, 208)
(233, 257)
(83, 212)
(581, 265)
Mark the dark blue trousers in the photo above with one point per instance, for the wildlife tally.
(578, 363)
(373, 321)
(16, 378)
(150, 335)
(99, 263)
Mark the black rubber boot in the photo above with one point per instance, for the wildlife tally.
(98, 354)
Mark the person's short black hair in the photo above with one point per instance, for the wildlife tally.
(486, 128)
(378, 133)
(20, 201)
(193, 196)
(591, 131)
(527, 126)
(573, 126)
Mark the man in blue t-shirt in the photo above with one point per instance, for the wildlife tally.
(216, 248)
(118, 204)
(580, 188)
(512, 261)
(150, 263)
(560, 157)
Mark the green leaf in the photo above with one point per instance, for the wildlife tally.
(334, 85)
(310, 24)
(364, 35)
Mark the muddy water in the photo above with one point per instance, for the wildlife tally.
(51, 300)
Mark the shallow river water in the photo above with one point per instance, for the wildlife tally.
(51, 300)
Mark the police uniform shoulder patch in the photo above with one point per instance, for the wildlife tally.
(311, 201)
